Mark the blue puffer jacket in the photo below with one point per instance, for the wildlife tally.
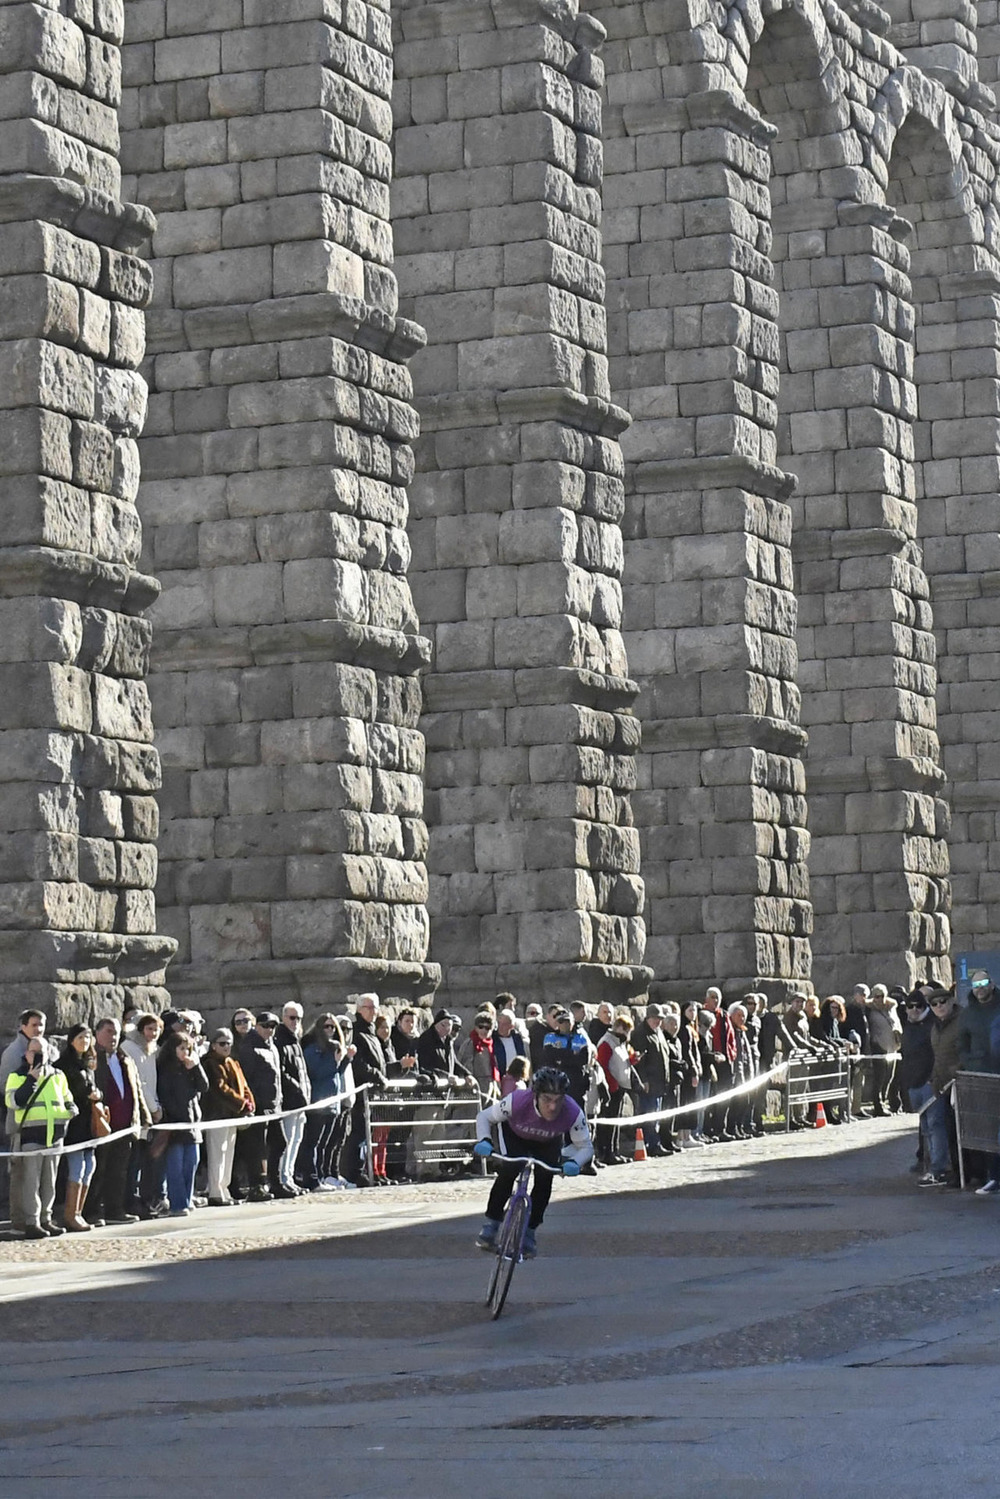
(325, 1073)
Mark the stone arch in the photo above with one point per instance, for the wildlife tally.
(843, 431)
(953, 284)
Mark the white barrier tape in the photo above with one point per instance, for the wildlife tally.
(327, 1104)
(631, 1120)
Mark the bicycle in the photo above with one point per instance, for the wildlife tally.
(510, 1239)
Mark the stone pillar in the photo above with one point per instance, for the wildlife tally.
(709, 605)
(77, 839)
(275, 472)
(518, 502)
(957, 374)
(879, 860)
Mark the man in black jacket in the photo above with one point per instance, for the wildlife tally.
(370, 1067)
(258, 1056)
(296, 1092)
(602, 1022)
(861, 1074)
(436, 1053)
(653, 1067)
(979, 1051)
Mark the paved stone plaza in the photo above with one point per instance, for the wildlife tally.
(788, 1318)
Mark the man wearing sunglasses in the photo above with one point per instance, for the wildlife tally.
(979, 1051)
(937, 1123)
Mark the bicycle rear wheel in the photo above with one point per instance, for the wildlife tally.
(508, 1254)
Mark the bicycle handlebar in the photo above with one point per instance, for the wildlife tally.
(526, 1160)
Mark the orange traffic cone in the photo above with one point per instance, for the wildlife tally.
(820, 1116)
(640, 1147)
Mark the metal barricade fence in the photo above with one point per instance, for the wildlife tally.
(420, 1127)
(825, 1079)
(977, 1114)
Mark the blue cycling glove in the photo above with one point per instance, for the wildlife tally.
(570, 1168)
(482, 1147)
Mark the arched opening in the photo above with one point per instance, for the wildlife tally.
(956, 431)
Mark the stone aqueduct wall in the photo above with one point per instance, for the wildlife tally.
(705, 439)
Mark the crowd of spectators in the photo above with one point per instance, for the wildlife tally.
(312, 1130)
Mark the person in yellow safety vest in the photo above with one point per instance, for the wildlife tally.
(42, 1105)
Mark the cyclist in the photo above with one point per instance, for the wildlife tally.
(533, 1124)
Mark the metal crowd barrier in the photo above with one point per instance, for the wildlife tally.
(423, 1126)
(823, 1079)
(976, 1101)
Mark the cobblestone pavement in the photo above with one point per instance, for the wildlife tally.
(782, 1319)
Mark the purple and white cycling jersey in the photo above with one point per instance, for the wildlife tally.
(522, 1119)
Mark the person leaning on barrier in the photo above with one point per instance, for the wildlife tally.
(39, 1097)
(436, 1053)
(30, 1023)
(938, 1119)
(261, 1063)
(979, 1051)
(403, 1037)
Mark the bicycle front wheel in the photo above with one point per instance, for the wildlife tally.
(508, 1254)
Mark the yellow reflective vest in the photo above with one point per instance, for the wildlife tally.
(51, 1102)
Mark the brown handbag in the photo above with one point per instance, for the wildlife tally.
(100, 1121)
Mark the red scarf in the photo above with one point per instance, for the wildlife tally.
(485, 1043)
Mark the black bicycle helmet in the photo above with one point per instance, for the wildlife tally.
(549, 1080)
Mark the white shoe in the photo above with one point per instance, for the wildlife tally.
(332, 1184)
(180, 1212)
(324, 1186)
(988, 1189)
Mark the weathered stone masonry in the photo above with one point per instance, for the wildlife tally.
(518, 502)
(78, 932)
(710, 399)
(275, 471)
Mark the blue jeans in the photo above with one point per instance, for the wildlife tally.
(934, 1125)
(704, 1091)
(182, 1163)
(80, 1166)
